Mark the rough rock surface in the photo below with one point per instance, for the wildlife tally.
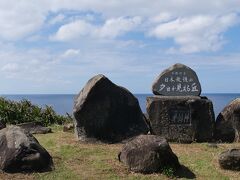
(2, 125)
(230, 159)
(181, 119)
(107, 112)
(228, 123)
(21, 152)
(68, 127)
(148, 154)
(178, 80)
(35, 128)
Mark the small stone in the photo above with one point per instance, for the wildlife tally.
(35, 128)
(68, 127)
(178, 80)
(230, 159)
(148, 154)
(21, 152)
(228, 123)
(212, 145)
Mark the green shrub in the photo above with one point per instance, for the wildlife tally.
(12, 112)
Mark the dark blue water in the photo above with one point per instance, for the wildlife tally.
(63, 103)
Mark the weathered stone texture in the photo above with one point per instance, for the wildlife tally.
(21, 152)
(228, 123)
(107, 112)
(35, 128)
(148, 154)
(181, 119)
(230, 159)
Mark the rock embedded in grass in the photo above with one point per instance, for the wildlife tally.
(35, 128)
(68, 127)
(148, 154)
(21, 152)
(228, 123)
(107, 112)
(230, 159)
(212, 145)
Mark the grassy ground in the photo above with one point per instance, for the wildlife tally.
(75, 160)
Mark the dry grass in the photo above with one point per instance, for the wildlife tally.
(75, 160)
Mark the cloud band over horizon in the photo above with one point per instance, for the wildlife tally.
(56, 46)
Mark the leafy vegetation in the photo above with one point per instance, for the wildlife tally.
(12, 112)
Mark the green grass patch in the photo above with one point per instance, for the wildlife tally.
(76, 160)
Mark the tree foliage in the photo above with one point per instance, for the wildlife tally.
(12, 112)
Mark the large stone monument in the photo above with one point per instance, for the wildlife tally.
(106, 112)
(177, 111)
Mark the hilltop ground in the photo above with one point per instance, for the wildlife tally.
(75, 160)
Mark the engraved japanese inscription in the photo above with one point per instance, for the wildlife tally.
(178, 80)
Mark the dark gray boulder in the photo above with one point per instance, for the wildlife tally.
(178, 80)
(107, 112)
(2, 125)
(21, 152)
(35, 128)
(148, 154)
(183, 119)
(228, 123)
(230, 159)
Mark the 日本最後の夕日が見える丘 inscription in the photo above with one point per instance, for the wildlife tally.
(178, 80)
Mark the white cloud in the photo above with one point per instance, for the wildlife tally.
(10, 70)
(70, 53)
(117, 26)
(197, 33)
(193, 25)
(10, 67)
(57, 19)
(95, 33)
(73, 31)
(116, 8)
(20, 18)
(162, 17)
(110, 29)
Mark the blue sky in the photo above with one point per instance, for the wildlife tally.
(56, 46)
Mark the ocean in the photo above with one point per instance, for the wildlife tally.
(63, 103)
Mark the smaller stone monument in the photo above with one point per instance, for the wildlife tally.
(177, 111)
